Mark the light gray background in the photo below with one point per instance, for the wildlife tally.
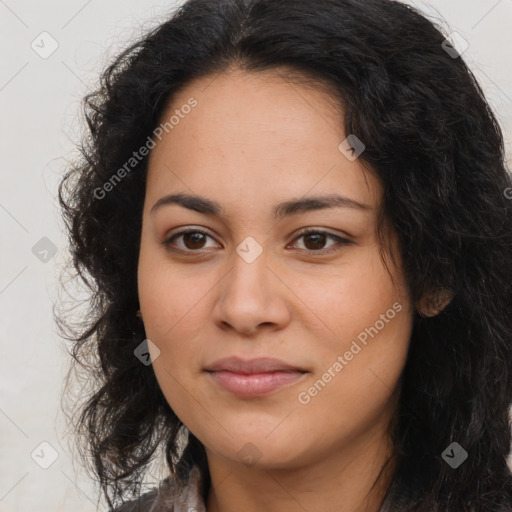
(39, 101)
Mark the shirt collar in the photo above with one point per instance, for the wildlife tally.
(188, 497)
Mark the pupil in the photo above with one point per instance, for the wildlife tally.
(318, 240)
(194, 238)
(312, 241)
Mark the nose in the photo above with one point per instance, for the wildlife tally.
(251, 297)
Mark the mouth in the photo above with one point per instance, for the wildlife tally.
(254, 377)
(255, 384)
(252, 366)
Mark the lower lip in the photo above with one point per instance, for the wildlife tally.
(255, 384)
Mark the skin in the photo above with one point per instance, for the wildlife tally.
(252, 141)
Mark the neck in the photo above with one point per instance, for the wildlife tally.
(341, 480)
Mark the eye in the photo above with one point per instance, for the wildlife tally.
(315, 239)
(192, 240)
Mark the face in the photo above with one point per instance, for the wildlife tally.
(233, 275)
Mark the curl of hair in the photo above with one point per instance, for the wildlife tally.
(438, 151)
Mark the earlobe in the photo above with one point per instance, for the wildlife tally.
(431, 304)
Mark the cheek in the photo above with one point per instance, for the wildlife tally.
(370, 323)
(170, 297)
(170, 302)
(353, 297)
(176, 313)
(355, 379)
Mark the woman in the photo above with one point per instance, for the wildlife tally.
(294, 222)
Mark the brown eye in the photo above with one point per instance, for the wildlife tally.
(314, 241)
(192, 240)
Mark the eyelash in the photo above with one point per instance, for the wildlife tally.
(307, 231)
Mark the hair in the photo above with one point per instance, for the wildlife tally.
(436, 148)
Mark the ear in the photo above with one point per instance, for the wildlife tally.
(432, 303)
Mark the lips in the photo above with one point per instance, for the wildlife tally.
(250, 366)
(254, 377)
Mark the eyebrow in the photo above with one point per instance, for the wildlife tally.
(281, 210)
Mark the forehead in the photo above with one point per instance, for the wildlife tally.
(255, 131)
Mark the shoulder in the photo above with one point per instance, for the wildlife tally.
(159, 499)
(146, 503)
(169, 497)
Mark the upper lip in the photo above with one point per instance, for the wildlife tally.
(248, 366)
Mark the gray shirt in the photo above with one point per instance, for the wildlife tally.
(169, 498)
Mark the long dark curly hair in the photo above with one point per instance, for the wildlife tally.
(438, 151)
